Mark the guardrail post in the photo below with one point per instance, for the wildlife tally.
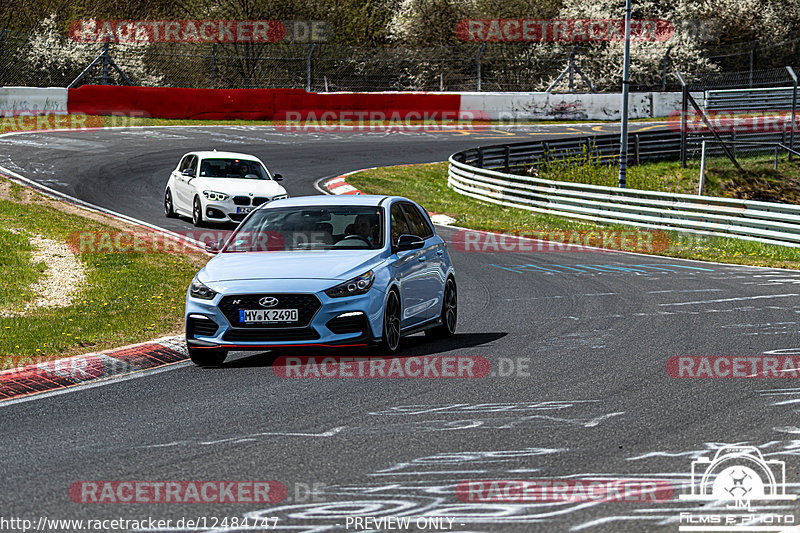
(507, 155)
(636, 148)
(776, 158)
(480, 157)
(546, 153)
(733, 141)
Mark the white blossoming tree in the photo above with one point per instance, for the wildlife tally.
(54, 60)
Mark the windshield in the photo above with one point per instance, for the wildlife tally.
(318, 228)
(233, 168)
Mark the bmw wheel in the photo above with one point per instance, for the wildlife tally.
(207, 357)
(390, 339)
(197, 212)
(169, 208)
(449, 316)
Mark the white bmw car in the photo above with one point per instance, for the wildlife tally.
(219, 187)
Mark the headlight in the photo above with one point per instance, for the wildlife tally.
(280, 197)
(353, 287)
(215, 196)
(198, 290)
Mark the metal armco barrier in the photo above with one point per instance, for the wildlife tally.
(483, 174)
(750, 99)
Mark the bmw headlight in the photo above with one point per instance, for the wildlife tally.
(215, 196)
(353, 287)
(198, 290)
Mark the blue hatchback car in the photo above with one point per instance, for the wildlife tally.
(323, 271)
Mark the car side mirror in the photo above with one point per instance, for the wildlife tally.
(277, 177)
(409, 242)
(188, 172)
(213, 247)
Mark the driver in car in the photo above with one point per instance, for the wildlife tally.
(365, 226)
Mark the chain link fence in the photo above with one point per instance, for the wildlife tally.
(328, 67)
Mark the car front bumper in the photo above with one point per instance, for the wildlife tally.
(209, 327)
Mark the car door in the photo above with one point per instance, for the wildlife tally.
(434, 271)
(184, 190)
(409, 271)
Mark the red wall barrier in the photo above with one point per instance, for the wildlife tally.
(248, 104)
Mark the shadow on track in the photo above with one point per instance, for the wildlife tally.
(412, 346)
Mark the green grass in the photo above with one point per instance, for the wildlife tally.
(127, 297)
(427, 184)
(758, 180)
(17, 270)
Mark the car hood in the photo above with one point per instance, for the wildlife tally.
(324, 264)
(238, 186)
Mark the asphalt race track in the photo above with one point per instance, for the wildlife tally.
(585, 337)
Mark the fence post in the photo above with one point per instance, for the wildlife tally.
(213, 62)
(664, 71)
(105, 59)
(702, 167)
(794, 109)
(480, 157)
(480, 55)
(308, 67)
(776, 158)
(752, 60)
(636, 148)
(684, 110)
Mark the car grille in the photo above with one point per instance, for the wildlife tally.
(348, 324)
(205, 327)
(238, 217)
(241, 200)
(307, 306)
(258, 200)
(270, 335)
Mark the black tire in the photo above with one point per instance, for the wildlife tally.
(449, 316)
(392, 312)
(169, 206)
(197, 212)
(207, 357)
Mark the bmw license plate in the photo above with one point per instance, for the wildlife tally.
(266, 316)
(243, 210)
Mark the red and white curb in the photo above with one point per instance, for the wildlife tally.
(339, 185)
(89, 368)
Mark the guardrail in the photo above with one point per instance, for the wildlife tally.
(471, 174)
(750, 99)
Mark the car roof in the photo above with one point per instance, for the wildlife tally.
(225, 155)
(320, 200)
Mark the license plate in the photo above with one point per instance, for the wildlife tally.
(243, 210)
(248, 316)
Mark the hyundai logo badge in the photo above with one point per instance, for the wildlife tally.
(268, 301)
